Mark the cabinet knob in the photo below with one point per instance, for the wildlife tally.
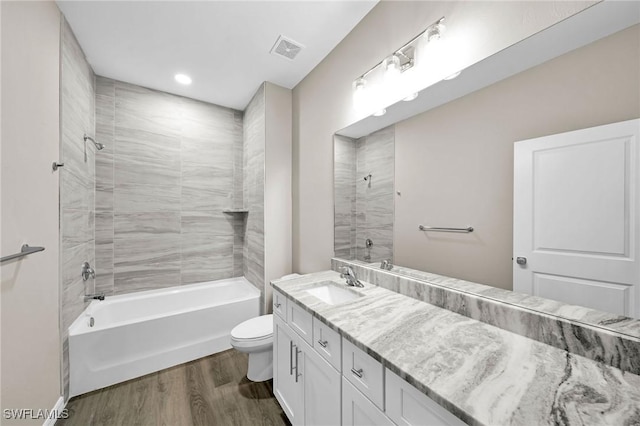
(277, 305)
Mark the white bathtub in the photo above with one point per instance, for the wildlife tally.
(139, 333)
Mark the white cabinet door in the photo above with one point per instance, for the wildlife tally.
(576, 217)
(357, 410)
(407, 406)
(287, 384)
(321, 390)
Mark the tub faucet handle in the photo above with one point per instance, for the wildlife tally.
(87, 271)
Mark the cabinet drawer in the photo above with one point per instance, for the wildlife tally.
(327, 343)
(406, 405)
(300, 321)
(279, 304)
(357, 410)
(364, 372)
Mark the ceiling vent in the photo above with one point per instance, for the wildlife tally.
(286, 48)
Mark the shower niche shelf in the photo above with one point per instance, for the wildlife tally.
(235, 211)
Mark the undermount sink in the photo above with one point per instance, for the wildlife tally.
(331, 294)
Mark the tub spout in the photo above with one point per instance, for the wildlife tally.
(97, 296)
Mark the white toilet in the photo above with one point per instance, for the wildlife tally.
(255, 337)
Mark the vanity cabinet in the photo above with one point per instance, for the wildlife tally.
(357, 410)
(407, 406)
(304, 383)
(321, 378)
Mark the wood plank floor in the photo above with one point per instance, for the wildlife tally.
(210, 391)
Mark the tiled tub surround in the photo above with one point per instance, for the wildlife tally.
(364, 208)
(596, 335)
(77, 182)
(482, 374)
(170, 167)
(253, 158)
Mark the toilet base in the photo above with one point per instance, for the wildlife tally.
(260, 366)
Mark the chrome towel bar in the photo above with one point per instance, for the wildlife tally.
(437, 229)
(24, 251)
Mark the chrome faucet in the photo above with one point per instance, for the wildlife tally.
(97, 296)
(350, 275)
(386, 264)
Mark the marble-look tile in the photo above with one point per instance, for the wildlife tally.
(147, 110)
(212, 223)
(77, 227)
(146, 198)
(104, 252)
(253, 194)
(206, 258)
(206, 187)
(77, 182)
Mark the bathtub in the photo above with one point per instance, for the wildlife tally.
(131, 335)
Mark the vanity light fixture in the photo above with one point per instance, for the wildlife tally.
(183, 79)
(392, 68)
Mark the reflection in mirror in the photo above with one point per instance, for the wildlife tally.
(364, 196)
(453, 162)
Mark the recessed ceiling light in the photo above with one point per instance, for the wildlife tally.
(452, 76)
(183, 79)
(380, 113)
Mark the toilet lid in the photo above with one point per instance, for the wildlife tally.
(254, 328)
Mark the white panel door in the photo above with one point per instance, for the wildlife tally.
(576, 217)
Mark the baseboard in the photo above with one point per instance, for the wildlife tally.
(56, 413)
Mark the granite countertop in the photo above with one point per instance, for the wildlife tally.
(481, 373)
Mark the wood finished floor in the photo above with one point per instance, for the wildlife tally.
(210, 391)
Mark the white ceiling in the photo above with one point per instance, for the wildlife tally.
(222, 45)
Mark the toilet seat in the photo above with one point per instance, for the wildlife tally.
(254, 330)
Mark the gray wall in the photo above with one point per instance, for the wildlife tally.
(253, 177)
(29, 288)
(364, 209)
(77, 187)
(169, 169)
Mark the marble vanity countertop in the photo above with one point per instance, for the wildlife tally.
(483, 374)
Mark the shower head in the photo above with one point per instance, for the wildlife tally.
(98, 145)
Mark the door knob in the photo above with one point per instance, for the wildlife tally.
(521, 260)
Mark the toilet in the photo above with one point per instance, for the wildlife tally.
(255, 337)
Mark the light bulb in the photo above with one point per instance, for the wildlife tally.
(391, 67)
(359, 94)
(435, 31)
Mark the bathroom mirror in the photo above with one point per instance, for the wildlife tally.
(446, 158)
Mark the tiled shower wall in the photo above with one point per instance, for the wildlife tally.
(344, 168)
(370, 202)
(253, 162)
(77, 181)
(170, 167)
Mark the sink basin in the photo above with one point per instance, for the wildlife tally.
(331, 294)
